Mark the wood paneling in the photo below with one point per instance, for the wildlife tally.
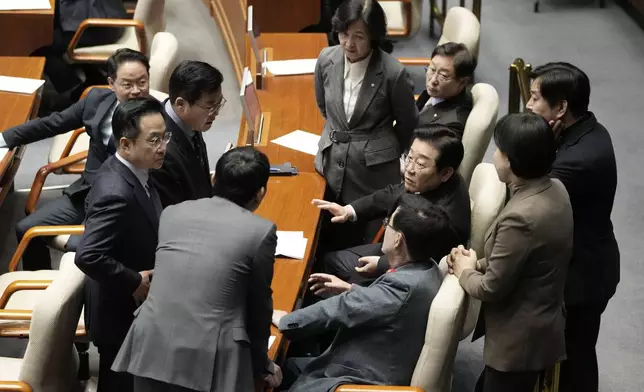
(230, 16)
(23, 32)
(285, 16)
(16, 109)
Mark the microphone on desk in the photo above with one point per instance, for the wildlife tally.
(285, 169)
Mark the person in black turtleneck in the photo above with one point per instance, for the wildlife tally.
(430, 170)
(194, 102)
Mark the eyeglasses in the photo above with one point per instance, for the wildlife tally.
(416, 164)
(157, 140)
(141, 84)
(214, 109)
(440, 77)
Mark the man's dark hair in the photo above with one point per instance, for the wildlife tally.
(564, 82)
(425, 226)
(449, 146)
(370, 12)
(122, 56)
(529, 143)
(191, 79)
(240, 174)
(127, 116)
(464, 61)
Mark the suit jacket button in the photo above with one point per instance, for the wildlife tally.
(341, 164)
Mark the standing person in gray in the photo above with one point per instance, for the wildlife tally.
(206, 322)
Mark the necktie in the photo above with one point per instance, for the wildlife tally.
(154, 198)
(196, 144)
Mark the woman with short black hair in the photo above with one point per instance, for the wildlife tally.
(521, 277)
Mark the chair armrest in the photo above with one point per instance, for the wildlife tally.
(415, 61)
(22, 285)
(100, 22)
(42, 231)
(375, 388)
(70, 143)
(41, 176)
(14, 386)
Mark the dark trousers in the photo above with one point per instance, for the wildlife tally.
(292, 369)
(579, 372)
(343, 263)
(62, 211)
(109, 381)
(142, 384)
(492, 380)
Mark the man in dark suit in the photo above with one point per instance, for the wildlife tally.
(390, 314)
(117, 249)
(560, 93)
(446, 100)
(128, 72)
(430, 171)
(194, 102)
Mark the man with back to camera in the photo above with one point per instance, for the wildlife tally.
(431, 171)
(128, 78)
(446, 100)
(194, 102)
(118, 246)
(560, 92)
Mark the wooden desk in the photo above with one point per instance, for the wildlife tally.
(288, 204)
(289, 99)
(25, 31)
(285, 16)
(16, 109)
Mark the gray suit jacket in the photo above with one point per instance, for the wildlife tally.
(452, 113)
(370, 160)
(381, 330)
(522, 278)
(206, 322)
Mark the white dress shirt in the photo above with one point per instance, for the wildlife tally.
(106, 125)
(433, 101)
(140, 174)
(353, 77)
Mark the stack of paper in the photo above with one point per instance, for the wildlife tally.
(19, 85)
(3, 152)
(291, 244)
(271, 339)
(300, 141)
(291, 67)
(19, 5)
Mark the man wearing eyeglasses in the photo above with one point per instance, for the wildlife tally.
(194, 102)
(430, 171)
(445, 100)
(128, 78)
(117, 249)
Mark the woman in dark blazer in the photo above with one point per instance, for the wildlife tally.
(520, 279)
(361, 90)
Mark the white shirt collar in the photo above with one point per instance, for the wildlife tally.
(175, 117)
(358, 69)
(140, 174)
(434, 101)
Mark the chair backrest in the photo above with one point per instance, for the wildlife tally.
(151, 13)
(51, 362)
(487, 198)
(163, 58)
(398, 19)
(461, 25)
(479, 128)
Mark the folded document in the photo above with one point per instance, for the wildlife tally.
(19, 85)
(291, 244)
(299, 140)
(291, 67)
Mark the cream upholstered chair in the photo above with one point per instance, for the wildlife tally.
(478, 127)
(139, 32)
(51, 361)
(403, 17)
(453, 314)
(461, 25)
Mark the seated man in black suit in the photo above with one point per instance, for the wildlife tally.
(194, 102)
(128, 72)
(446, 100)
(390, 314)
(118, 247)
(430, 170)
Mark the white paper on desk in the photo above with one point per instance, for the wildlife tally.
(19, 85)
(17, 5)
(271, 339)
(291, 67)
(300, 141)
(291, 244)
(3, 152)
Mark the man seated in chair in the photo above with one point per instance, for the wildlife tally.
(128, 77)
(446, 100)
(380, 328)
(194, 102)
(430, 171)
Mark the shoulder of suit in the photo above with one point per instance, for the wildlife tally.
(326, 54)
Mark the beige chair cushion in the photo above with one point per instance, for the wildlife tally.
(395, 13)
(10, 369)
(461, 25)
(60, 141)
(487, 195)
(127, 40)
(478, 128)
(163, 57)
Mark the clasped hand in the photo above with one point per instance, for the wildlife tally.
(460, 259)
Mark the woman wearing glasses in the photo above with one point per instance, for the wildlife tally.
(194, 102)
(520, 277)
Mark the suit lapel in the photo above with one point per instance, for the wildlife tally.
(370, 86)
(337, 87)
(101, 111)
(139, 192)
